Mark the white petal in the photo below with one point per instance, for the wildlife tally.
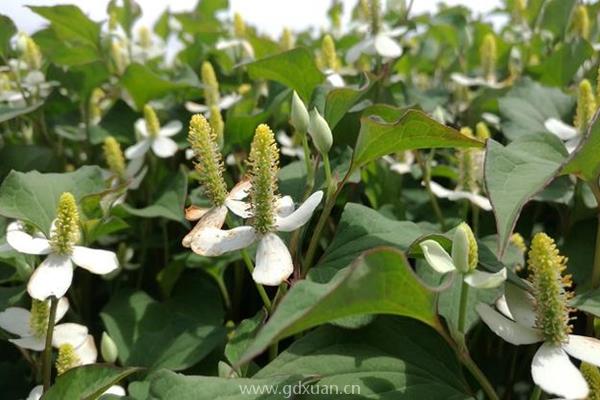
(141, 128)
(583, 348)
(229, 100)
(241, 190)
(397, 31)
(138, 149)
(437, 257)
(520, 303)
(552, 371)
(508, 330)
(273, 261)
(301, 216)
(30, 343)
(36, 393)
(239, 208)
(96, 261)
(248, 48)
(464, 80)
(61, 308)
(116, 390)
(194, 213)
(69, 333)
(195, 107)
(572, 144)
(171, 129)
(502, 306)
(355, 51)
(485, 280)
(134, 166)
(214, 242)
(560, 129)
(285, 206)
(336, 80)
(284, 139)
(401, 167)
(87, 351)
(164, 147)
(136, 181)
(214, 218)
(443, 193)
(23, 242)
(52, 278)
(15, 320)
(387, 47)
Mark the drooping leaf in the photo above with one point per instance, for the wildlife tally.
(414, 130)
(32, 197)
(515, 173)
(87, 382)
(368, 286)
(295, 68)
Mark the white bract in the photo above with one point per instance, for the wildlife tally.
(453, 195)
(551, 367)
(161, 144)
(382, 43)
(288, 146)
(464, 80)
(54, 275)
(273, 260)
(401, 167)
(225, 103)
(565, 132)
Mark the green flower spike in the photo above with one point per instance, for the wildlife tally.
(488, 55)
(581, 22)
(211, 85)
(330, 58)
(152, 122)
(467, 166)
(586, 105)
(67, 358)
(114, 157)
(287, 41)
(239, 26)
(65, 233)
(38, 321)
(592, 377)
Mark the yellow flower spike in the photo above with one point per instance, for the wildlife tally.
(244, 89)
(517, 240)
(211, 84)
(287, 41)
(550, 289)
(467, 169)
(465, 251)
(95, 111)
(329, 56)
(66, 227)
(482, 132)
(375, 15)
(38, 320)
(112, 20)
(520, 7)
(67, 358)
(364, 9)
(239, 26)
(488, 54)
(217, 124)
(581, 22)
(592, 377)
(145, 37)
(264, 166)
(117, 56)
(209, 161)
(152, 122)
(32, 54)
(114, 157)
(586, 105)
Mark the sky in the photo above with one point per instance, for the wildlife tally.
(270, 16)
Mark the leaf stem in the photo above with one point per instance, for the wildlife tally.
(537, 392)
(259, 287)
(310, 173)
(462, 311)
(47, 357)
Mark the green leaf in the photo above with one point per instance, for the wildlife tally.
(585, 162)
(144, 85)
(7, 31)
(295, 68)
(169, 202)
(340, 100)
(362, 228)
(241, 337)
(8, 113)
(126, 14)
(26, 158)
(556, 15)
(32, 197)
(516, 173)
(588, 302)
(414, 130)
(369, 286)
(87, 382)
(175, 334)
(561, 67)
(528, 105)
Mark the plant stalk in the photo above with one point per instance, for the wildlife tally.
(47, 357)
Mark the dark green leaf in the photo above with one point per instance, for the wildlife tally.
(7, 31)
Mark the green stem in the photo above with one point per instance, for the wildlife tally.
(224, 293)
(462, 311)
(310, 173)
(596, 269)
(47, 357)
(426, 180)
(259, 287)
(327, 167)
(537, 392)
(487, 387)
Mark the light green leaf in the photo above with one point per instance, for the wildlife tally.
(414, 130)
(560, 68)
(32, 197)
(175, 334)
(588, 302)
(340, 100)
(370, 285)
(295, 68)
(585, 162)
(556, 15)
(87, 382)
(7, 31)
(169, 201)
(515, 173)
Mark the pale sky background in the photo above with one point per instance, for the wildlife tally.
(270, 16)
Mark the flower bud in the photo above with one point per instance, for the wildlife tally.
(464, 249)
(108, 349)
(299, 116)
(320, 132)
(586, 105)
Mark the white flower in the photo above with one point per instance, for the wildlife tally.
(273, 260)
(401, 167)
(551, 368)
(453, 195)
(17, 321)
(382, 43)
(288, 146)
(224, 103)
(214, 217)
(54, 275)
(443, 263)
(245, 45)
(161, 144)
(464, 80)
(565, 132)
